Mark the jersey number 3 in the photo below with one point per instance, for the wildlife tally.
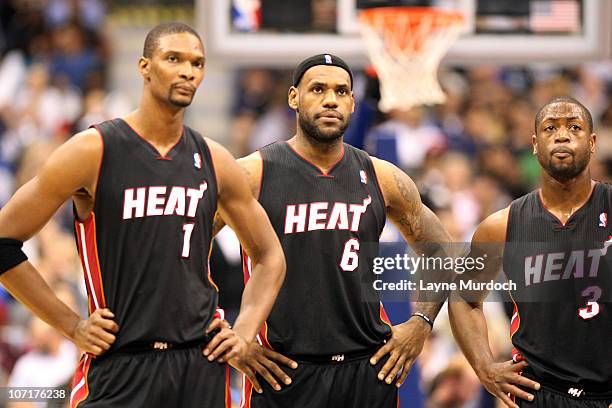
(592, 293)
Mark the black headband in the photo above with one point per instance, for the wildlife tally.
(320, 59)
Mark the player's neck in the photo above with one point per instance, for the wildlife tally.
(566, 197)
(158, 123)
(321, 154)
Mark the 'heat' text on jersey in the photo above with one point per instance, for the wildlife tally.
(563, 265)
(324, 215)
(161, 200)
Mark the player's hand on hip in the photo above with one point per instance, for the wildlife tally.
(502, 379)
(96, 334)
(265, 362)
(403, 348)
(226, 344)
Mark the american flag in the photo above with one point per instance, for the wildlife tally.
(555, 16)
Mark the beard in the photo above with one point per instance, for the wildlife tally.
(178, 100)
(326, 136)
(562, 171)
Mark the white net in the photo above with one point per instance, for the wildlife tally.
(406, 46)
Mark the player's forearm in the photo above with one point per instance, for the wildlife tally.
(260, 294)
(28, 287)
(470, 331)
(429, 240)
(429, 309)
(429, 302)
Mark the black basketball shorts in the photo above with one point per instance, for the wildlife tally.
(348, 383)
(181, 378)
(563, 395)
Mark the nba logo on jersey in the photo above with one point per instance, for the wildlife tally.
(197, 160)
(363, 176)
(603, 220)
(328, 59)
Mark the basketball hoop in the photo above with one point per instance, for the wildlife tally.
(406, 45)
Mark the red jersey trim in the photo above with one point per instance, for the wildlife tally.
(88, 252)
(323, 173)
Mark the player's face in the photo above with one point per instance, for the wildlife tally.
(563, 143)
(324, 102)
(176, 68)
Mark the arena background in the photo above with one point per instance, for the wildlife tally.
(65, 64)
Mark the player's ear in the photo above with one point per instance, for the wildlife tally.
(292, 98)
(144, 66)
(352, 102)
(592, 142)
(534, 142)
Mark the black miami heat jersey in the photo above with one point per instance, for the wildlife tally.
(145, 247)
(329, 225)
(562, 322)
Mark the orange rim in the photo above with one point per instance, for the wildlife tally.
(443, 18)
(407, 28)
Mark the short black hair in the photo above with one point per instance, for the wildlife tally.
(564, 99)
(161, 30)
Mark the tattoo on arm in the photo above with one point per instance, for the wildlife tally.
(427, 237)
(408, 216)
(416, 221)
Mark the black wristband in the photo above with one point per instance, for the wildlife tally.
(11, 254)
(422, 316)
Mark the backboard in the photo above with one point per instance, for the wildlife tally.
(281, 32)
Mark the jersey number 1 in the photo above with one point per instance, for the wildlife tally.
(188, 230)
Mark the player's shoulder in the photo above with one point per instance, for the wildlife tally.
(76, 163)
(217, 151)
(383, 165)
(85, 143)
(395, 185)
(527, 200)
(388, 173)
(605, 186)
(493, 228)
(356, 152)
(251, 164)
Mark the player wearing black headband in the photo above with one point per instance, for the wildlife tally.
(327, 202)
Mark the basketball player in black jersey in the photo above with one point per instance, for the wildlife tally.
(145, 190)
(328, 202)
(552, 247)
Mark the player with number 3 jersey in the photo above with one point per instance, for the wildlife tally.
(553, 245)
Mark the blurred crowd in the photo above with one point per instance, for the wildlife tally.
(469, 157)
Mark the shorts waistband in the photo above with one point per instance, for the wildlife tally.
(159, 346)
(576, 390)
(334, 358)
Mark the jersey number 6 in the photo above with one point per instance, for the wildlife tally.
(350, 255)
